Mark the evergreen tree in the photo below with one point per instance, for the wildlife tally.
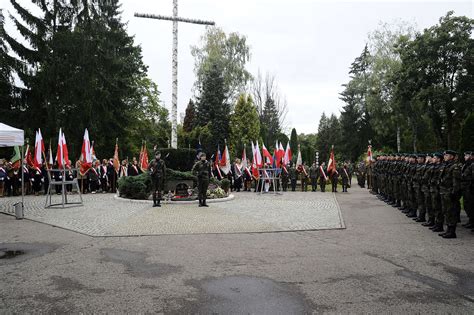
(467, 134)
(269, 122)
(244, 124)
(81, 69)
(212, 110)
(189, 117)
(294, 143)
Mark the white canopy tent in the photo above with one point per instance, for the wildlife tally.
(10, 137)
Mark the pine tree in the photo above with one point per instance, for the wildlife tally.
(269, 122)
(212, 110)
(244, 124)
(189, 117)
(294, 143)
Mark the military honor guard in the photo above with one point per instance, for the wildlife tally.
(202, 170)
(157, 170)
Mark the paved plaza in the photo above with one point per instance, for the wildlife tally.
(380, 263)
(104, 215)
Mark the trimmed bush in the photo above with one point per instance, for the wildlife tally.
(135, 187)
(141, 186)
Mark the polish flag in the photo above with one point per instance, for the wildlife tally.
(225, 161)
(39, 150)
(255, 172)
(116, 158)
(86, 154)
(281, 153)
(299, 160)
(288, 155)
(258, 156)
(245, 166)
(332, 162)
(62, 156)
(28, 158)
(144, 158)
(267, 154)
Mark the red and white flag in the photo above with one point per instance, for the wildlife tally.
(255, 172)
(62, 156)
(332, 162)
(28, 157)
(299, 159)
(267, 155)
(281, 153)
(288, 155)
(86, 154)
(258, 156)
(245, 166)
(225, 161)
(369, 154)
(143, 163)
(39, 151)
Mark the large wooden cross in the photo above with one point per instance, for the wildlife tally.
(174, 97)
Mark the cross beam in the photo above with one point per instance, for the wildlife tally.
(174, 98)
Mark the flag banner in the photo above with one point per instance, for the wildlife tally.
(332, 162)
(16, 158)
(267, 155)
(143, 163)
(369, 154)
(299, 160)
(225, 161)
(288, 156)
(116, 158)
(258, 156)
(86, 154)
(39, 151)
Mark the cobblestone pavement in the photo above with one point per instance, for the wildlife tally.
(102, 215)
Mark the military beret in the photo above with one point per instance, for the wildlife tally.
(438, 155)
(468, 152)
(157, 152)
(202, 154)
(451, 152)
(421, 155)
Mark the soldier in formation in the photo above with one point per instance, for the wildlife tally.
(157, 169)
(202, 170)
(427, 188)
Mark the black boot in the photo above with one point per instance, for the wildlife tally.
(438, 227)
(469, 224)
(430, 222)
(200, 202)
(451, 233)
(204, 204)
(158, 204)
(154, 201)
(411, 214)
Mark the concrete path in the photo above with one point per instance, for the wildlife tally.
(382, 262)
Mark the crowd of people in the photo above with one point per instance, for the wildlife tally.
(426, 187)
(102, 177)
(286, 177)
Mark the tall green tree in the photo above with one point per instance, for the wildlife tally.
(270, 123)
(212, 109)
(329, 134)
(294, 143)
(80, 68)
(244, 125)
(189, 117)
(229, 52)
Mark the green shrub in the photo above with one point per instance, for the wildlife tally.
(141, 186)
(179, 159)
(135, 187)
(225, 184)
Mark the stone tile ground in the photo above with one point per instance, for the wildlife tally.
(102, 215)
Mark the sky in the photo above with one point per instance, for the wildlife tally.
(307, 45)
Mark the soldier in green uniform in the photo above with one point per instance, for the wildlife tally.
(449, 187)
(293, 174)
(435, 216)
(417, 186)
(313, 175)
(157, 169)
(202, 170)
(425, 188)
(467, 178)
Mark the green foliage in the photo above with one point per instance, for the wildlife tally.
(467, 134)
(269, 122)
(244, 125)
(419, 84)
(79, 68)
(308, 147)
(225, 184)
(294, 143)
(329, 134)
(230, 53)
(179, 159)
(135, 187)
(212, 109)
(189, 117)
(141, 186)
